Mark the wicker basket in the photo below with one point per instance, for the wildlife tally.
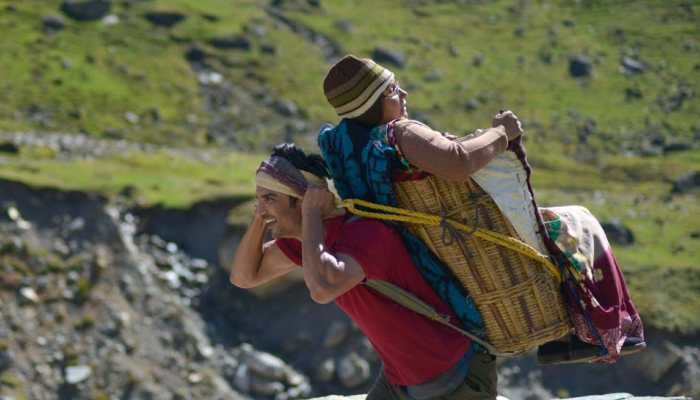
(519, 300)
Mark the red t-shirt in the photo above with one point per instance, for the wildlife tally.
(413, 348)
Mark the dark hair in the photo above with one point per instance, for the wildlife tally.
(373, 116)
(312, 163)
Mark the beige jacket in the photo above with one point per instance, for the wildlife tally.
(446, 156)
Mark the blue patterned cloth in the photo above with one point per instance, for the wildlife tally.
(361, 162)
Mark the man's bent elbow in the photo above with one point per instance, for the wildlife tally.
(241, 282)
(321, 295)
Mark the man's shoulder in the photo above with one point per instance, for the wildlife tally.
(368, 231)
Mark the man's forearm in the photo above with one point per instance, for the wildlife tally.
(246, 261)
(320, 267)
(312, 242)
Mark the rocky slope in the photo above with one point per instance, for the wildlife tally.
(102, 302)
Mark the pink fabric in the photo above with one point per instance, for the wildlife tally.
(413, 348)
(609, 307)
(600, 306)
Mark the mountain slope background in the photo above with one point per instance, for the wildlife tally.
(155, 103)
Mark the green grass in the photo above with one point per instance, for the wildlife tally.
(88, 76)
(155, 178)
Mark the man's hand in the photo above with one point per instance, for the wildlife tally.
(318, 200)
(259, 217)
(510, 122)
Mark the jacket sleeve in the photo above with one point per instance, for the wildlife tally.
(450, 159)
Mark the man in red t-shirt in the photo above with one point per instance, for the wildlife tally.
(422, 359)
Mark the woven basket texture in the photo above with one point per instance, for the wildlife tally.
(519, 300)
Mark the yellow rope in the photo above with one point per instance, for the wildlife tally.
(417, 217)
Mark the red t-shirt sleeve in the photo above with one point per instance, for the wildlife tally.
(359, 241)
(291, 248)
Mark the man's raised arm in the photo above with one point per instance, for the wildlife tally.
(326, 275)
(256, 263)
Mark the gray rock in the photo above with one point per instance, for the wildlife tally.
(299, 392)
(268, 48)
(353, 371)
(86, 10)
(336, 334)
(258, 30)
(164, 18)
(453, 50)
(472, 104)
(433, 76)
(265, 388)
(619, 396)
(195, 54)
(631, 66)
(677, 146)
(111, 20)
(478, 60)
(389, 56)
(326, 370)
(6, 359)
(286, 107)
(241, 379)
(266, 365)
(9, 147)
(580, 66)
(687, 183)
(28, 294)
(77, 374)
(344, 26)
(131, 117)
(53, 23)
(617, 232)
(231, 42)
(633, 93)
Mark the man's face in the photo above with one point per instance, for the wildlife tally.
(284, 211)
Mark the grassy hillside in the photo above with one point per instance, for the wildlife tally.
(613, 140)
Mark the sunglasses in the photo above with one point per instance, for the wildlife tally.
(392, 89)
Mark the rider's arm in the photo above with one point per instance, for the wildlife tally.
(453, 160)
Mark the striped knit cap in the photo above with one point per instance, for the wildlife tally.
(353, 84)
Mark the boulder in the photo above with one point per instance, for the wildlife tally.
(617, 232)
(336, 334)
(344, 26)
(264, 364)
(86, 10)
(165, 19)
(231, 42)
(77, 374)
(353, 371)
(195, 54)
(631, 66)
(53, 23)
(9, 147)
(388, 56)
(687, 183)
(326, 370)
(580, 66)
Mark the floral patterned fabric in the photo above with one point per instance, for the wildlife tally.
(599, 304)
